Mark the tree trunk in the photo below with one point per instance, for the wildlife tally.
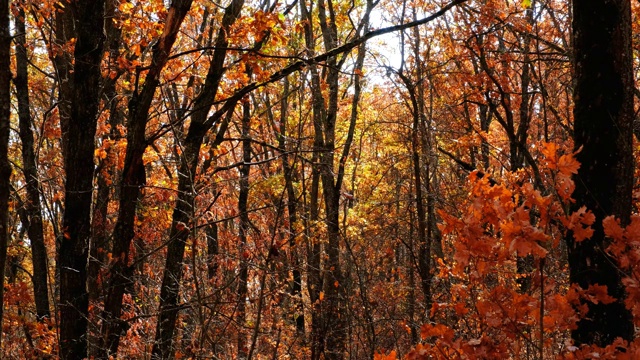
(603, 118)
(133, 179)
(184, 210)
(5, 166)
(292, 211)
(314, 246)
(79, 167)
(243, 251)
(32, 206)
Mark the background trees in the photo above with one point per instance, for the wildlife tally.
(269, 180)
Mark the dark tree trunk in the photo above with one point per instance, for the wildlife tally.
(243, 252)
(63, 63)
(603, 118)
(333, 328)
(184, 210)
(5, 166)
(212, 250)
(133, 178)
(314, 247)
(79, 167)
(106, 170)
(424, 235)
(292, 211)
(314, 253)
(106, 174)
(32, 205)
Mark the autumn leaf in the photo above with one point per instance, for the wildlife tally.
(550, 150)
(579, 222)
(598, 294)
(391, 356)
(437, 330)
(567, 164)
(612, 228)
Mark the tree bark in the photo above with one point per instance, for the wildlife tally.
(184, 210)
(603, 120)
(243, 252)
(292, 211)
(29, 161)
(79, 167)
(133, 179)
(5, 166)
(314, 246)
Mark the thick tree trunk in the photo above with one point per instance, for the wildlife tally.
(79, 168)
(5, 166)
(603, 118)
(32, 206)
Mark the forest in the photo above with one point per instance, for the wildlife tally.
(319, 179)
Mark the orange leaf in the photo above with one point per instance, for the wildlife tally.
(567, 165)
(392, 356)
(612, 228)
(598, 294)
(439, 330)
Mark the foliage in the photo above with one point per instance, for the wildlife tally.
(472, 110)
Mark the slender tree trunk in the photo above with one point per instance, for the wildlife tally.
(525, 265)
(133, 179)
(333, 307)
(105, 172)
(314, 247)
(296, 286)
(314, 252)
(5, 166)
(79, 168)
(603, 120)
(184, 210)
(243, 251)
(212, 250)
(29, 161)
(63, 64)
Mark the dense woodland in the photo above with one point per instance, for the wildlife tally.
(317, 179)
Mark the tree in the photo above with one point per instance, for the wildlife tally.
(603, 130)
(78, 163)
(184, 211)
(133, 179)
(33, 206)
(5, 128)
